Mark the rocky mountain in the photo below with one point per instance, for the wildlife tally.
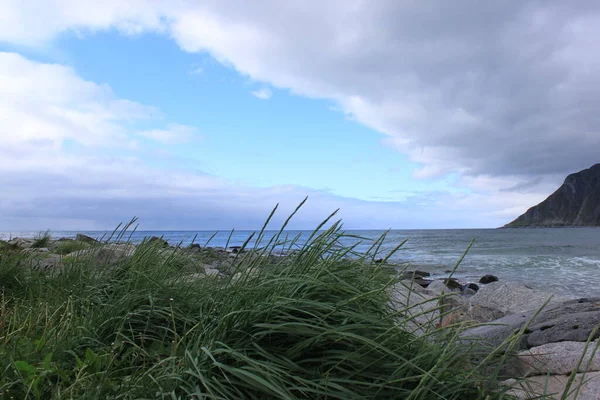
(575, 203)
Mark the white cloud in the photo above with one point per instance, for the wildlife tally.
(175, 133)
(506, 91)
(263, 94)
(58, 136)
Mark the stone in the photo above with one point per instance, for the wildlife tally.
(512, 298)
(559, 359)
(106, 254)
(50, 262)
(417, 310)
(572, 320)
(438, 287)
(452, 283)
(85, 239)
(473, 286)
(194, 246)
(37, 250)
(155, 240)
(488, 279)
(21, 243)
(555, 385)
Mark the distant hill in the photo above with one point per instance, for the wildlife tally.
(575, 203)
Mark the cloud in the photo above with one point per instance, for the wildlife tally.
(506, 89)
(263, 94)
(72, 158)
(502, 92)
(174, 133)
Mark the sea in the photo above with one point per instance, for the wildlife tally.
(560, 260)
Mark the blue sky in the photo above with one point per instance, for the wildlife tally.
(213, 114)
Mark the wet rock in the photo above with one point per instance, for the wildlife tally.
(85, 239)
(488, 279)
(194, 246)
(414, 274)
(472, 286)
(452, 283)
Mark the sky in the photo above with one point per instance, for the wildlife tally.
(204, 115)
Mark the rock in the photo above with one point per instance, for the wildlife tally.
(85, 239)
(473, 286)
(559, 359)
(572, 320)
(21, 243)
(512, 298)
(194, 246)
(452, 283)
(438, 287)
(155, 240)
(488, 279)
(555, 385)
(414, 274)
(211, 272)
(106, 254)
(50, 262)
(468, 292)
(37, 250)
(575, 203)
(416, 308)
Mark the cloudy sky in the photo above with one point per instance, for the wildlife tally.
(205, 114)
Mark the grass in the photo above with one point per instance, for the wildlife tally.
(70, 246)
(311, 325)
(42, 239)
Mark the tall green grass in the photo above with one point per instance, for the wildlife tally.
(316, 324)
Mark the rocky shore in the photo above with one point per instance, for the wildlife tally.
(546, 337)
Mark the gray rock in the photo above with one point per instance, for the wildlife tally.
(85, 239)
(106, 254)
(512, 298)
(50, 262)
(37, 250)
(573, 320)
(438, 287)
(555, 386)
(417, 309)
(559, 359)
(158, 241)
(21, 243)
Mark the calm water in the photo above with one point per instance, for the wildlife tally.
(564, 260)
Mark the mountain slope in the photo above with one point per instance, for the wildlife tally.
(575, 203)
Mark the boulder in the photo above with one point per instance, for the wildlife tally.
(49, 262)
(417, 309)
(106, 254)
(573, 320)
(36, 250)
(438, 287)
(21, 243)
(85, 239)
(555, 385)
(512, 298)
(488, 279)
(158, 241)
(559, 359)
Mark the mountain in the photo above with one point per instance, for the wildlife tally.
(575, 203)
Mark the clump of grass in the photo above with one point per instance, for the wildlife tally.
(70, 246)
(42, 239)
(312, 325)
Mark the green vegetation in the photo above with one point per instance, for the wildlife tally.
(311, 325)
(42, 239)
(69, 246)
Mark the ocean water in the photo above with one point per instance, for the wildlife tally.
(562, 260)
